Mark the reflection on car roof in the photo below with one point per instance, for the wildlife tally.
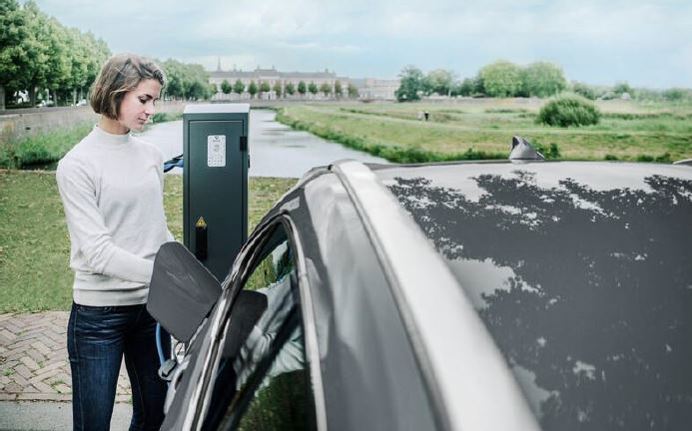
(580, 271)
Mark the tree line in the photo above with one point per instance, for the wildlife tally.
(289, 89)
(38, 54)
(505, 79)
(499, 79)
(42, 60)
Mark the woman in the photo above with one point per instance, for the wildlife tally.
(111, 185)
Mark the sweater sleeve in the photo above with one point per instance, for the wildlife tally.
(88, 231)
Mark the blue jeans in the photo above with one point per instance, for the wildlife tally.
(97, 339)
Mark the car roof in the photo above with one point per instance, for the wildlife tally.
(444, 329)
(579, 270)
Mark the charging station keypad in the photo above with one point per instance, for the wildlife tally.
(216, 151)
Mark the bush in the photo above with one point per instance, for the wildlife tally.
(663, 158)
(584, 90)
(162, 117)
(569, 110)
(551, 152)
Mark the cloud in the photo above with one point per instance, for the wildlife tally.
(643, 41)
(320, 47)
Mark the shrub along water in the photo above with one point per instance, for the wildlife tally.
(41, 148)
(569, 110)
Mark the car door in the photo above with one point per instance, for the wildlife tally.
(261, 379)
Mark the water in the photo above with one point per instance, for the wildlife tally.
(275, 149)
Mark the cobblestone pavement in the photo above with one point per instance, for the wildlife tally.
(33, 359)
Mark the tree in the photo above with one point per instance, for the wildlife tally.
(264, 88)
(238, 87)
(622, 88)
(501, 79)
(198, 90)
(37, 45)
(326, 89)
(338, 91)
(302, 88)
(79, 60)
(175, 77)
(13, 58)
(213, 88)
(252, 89)
(411, 84)
(277, 89)
(59, 59)
(675, 94)
(312, 88)
(226, 87)
(98, 54)
(197, 82)
(290, 89)
(439, 81)
(37, 53)
(543, 79)
(186, 81)
(466, 87)
(352, 91)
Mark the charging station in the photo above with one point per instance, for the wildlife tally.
(215, 183)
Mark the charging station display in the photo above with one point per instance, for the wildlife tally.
(216, 151)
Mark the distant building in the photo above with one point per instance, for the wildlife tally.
(272, 76)
(377, 89)
(368, 88)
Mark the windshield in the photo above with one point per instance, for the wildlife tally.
(582, 273)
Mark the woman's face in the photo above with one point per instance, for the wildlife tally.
(138, 105)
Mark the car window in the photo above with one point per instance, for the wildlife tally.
(263, 382)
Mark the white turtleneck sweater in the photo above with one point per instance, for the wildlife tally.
(112, 192)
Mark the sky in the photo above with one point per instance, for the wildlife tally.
(600, 42)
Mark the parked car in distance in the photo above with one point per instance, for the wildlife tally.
(503, 295)
(44, 103)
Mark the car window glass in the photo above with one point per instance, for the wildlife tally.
(266, 380)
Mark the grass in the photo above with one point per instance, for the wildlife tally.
(470, 129)
(34, 243)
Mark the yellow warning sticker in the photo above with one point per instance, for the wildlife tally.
(201, 222)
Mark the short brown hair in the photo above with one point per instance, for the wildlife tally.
(120, 74)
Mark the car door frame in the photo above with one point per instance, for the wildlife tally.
(232, 285)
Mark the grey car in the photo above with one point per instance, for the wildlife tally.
(504, 295)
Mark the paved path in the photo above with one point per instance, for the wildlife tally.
(33, 359)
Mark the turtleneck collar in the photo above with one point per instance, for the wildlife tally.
(109, 139)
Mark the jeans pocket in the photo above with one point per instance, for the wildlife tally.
(93, 310)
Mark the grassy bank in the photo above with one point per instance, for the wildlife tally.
(44, 148)
(473, 129)
(41, 148)
(34, 244)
